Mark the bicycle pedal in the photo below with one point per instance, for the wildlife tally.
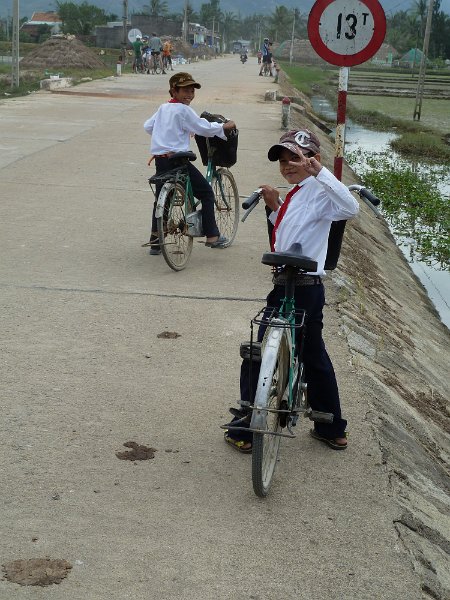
(239, 413)
(254, 350)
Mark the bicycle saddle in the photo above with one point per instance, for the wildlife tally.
(293, 258)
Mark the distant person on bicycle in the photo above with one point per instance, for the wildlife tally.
(266, 54)
(316, 200)
(156, 49)
(171, 128)
(137, 49)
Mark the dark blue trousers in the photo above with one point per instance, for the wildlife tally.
(323, 391)
(202, 191)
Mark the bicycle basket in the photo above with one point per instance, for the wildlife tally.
(223, 152)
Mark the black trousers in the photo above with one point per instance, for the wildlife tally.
(202, 191)
(323, 391)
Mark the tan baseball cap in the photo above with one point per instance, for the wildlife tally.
(183, 80)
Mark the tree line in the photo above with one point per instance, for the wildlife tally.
(405, 29)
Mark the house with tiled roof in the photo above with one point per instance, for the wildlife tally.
(33, 27)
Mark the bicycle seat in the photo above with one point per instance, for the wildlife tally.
(187, 154)
(291, 258)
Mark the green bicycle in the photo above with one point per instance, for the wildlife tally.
(281, 393)
(177, 211)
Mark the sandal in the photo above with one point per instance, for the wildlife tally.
(331, 443)
(221, 242)
(238, 445)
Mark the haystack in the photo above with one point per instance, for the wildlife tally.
(62, 53)
(303, 52)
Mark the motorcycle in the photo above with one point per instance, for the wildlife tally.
(243, 58)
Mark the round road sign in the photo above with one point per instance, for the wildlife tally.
(346, 32)
(133, 34)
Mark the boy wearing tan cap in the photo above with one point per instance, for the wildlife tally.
(171, 128)
(316, 199)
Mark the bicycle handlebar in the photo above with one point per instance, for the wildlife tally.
(366, 195)
(251, 203)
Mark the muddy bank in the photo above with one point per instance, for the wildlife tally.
(400, 347)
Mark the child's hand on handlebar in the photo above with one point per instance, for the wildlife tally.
(271, 196)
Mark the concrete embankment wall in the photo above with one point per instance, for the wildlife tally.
(400, 348)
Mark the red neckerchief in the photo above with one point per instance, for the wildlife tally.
(173, 101)
(281, 212)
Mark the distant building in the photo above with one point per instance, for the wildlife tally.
(411, 59)
(237, 46)
(33, 27)
(385, 55)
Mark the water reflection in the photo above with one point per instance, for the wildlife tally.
(436, 283)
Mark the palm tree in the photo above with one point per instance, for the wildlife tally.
(158, 8)
(229, 25)
(280, 24)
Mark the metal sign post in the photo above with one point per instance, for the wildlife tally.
(345, 33)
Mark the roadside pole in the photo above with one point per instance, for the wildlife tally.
(423, 64)
(15, 78)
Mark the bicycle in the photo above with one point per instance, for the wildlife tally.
(267, 69)
(177, 214)
(154, 65)
(138, 65)
(281, 393)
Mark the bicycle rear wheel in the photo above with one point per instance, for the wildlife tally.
(156, 69)
(176, 245)
(273, 379)
(226, 205)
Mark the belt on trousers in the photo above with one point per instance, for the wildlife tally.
(153, 156)
(300, 279)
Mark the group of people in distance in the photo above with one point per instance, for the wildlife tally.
(315, 200)
(144, 48)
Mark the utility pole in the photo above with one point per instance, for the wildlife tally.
(185, 23)
(291, 53)
(125, 32)
(423, 64)
(15, 46)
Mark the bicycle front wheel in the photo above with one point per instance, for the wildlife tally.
(272, 382)
(226, 205)
(176, 245)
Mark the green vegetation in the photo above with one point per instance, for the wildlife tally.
(411, 202)
(309, 80)
(423, 145)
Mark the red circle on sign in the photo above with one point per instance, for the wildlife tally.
(346, 60)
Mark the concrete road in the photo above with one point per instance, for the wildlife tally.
(83, 372)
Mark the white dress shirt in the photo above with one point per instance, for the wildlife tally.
(172, 125)
(319, 201)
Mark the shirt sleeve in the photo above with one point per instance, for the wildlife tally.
(201, 126)
(343, 203)
(149, 124)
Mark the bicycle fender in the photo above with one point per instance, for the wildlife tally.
(276, 336)
(162, 199)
